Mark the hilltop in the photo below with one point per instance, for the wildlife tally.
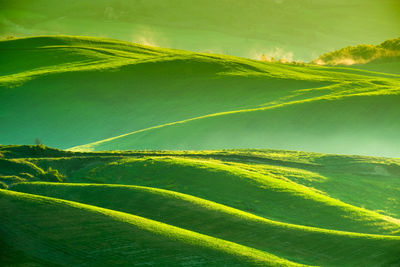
(201, 135)
(100, 94)
(279, 28)
(198, 208)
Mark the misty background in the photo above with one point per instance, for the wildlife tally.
(287, 29)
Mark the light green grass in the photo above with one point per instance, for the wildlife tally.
(210, 218)
(338, 125)
(226, 207)
(260, 194)
(154, 98)
(118, 238)
(126, 94)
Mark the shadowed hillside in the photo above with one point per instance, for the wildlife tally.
(88, 89)
(130, 96)
(137, 238)
(198, 208)
(200, 133)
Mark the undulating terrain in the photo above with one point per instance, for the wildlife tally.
(100, 94)
(167, 157)
(197, 208)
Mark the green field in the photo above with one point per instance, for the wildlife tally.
(198, 208)
(97, 94)
(167, 157)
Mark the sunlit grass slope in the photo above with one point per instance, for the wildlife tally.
(260, 194)
(111, 95)
(388, 66)
(358, 123)
(210, 218)
(70, 233)
(361, 181)
(87, 89)
(227, 207)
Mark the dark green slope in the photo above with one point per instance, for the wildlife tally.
(135, 97)
(69, 233)
(11, 256)
(359, 124)
(264, 195)
(315, 247)
(198, 208)
(87, 89)
(390, 66)
(367, 182)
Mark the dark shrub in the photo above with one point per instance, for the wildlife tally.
(52, 175)
(3, 185)
(26, 175)
(12, 179)
(393, 44)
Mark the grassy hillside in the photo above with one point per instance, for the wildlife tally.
(199, 208)
(388, 66)
(85, 90)
(287, 28)
(340, 124)
(124, 238)
(197, 214)
(259, 194)
(102, 88)
(151, 156)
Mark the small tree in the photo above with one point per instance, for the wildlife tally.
(37, 141)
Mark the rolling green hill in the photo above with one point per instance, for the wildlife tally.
(388, 66)
(340, 124)
(100, 94)
(103, 88)
(147, 155)
(124, 238)
(282, 28)
(198, 208)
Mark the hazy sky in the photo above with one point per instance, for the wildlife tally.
(291, 29)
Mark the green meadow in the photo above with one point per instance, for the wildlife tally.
(85, 93)
(165, 157)
(198, 208)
